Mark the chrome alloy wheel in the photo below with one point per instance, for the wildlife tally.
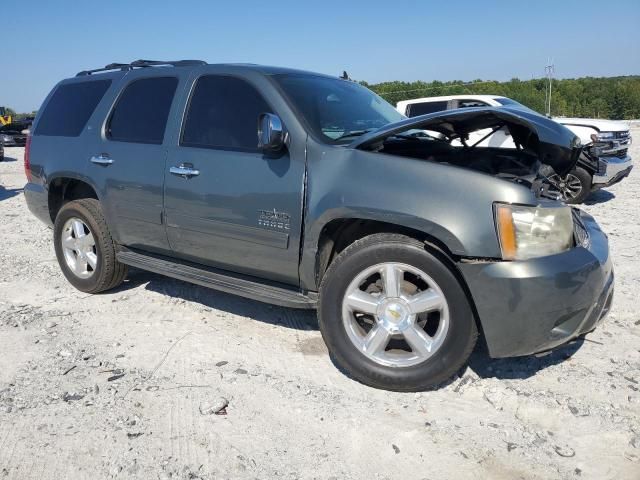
(569, 186)
(79, 248)
(395, 314)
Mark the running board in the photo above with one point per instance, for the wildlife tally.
(217, 279)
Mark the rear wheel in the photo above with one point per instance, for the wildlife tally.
(574, 187)
(84, 247)
(394, 316)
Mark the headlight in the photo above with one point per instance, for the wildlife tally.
(602, 136)
(529, 232)
(5, 138)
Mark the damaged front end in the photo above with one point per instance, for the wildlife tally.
(540, 147)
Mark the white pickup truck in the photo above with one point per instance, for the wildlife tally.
(604, 160)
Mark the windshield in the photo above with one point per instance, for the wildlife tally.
(507, 102)
(336, 110)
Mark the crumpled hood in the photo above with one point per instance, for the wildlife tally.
(555, 145)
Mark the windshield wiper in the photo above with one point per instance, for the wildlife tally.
(355, 133)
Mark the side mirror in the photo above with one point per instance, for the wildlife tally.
(270, 132)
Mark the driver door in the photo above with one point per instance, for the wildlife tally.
(238, 209)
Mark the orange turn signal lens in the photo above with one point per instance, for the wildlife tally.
(506, 232)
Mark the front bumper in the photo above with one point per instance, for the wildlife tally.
(616, 169)
(9, 143)
(534, 305)
(14, 141)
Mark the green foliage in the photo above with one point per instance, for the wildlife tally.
(17, 116)
(7, 111)
(607, 97)
(22, 116)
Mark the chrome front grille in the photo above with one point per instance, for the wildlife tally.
(622, 135)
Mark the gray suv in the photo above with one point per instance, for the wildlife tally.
(310, 191)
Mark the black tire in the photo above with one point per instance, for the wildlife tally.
(380, 248)
(109, 273)
(585, 184)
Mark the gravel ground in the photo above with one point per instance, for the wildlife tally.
(133, 383)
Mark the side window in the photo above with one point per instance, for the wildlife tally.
(223, 113)
(70, 107)
(415, 109)
(470, 103)
(140, 116)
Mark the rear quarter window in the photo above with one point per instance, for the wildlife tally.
(70, 107)
(416, 109)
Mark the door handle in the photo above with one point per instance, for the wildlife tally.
(102, 159)
(184, 170)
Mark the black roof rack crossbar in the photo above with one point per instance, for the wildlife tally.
(111, 66)
(173, 63)
(142, 64)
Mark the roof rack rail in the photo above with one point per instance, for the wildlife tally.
(142, 64)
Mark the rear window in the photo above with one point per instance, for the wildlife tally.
(415, 109)
(141, 114)
(70, 107)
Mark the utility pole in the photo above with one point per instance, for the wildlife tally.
(549, 70)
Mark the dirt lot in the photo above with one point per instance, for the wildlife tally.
(112, 385)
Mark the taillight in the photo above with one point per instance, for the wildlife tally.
(27, 162)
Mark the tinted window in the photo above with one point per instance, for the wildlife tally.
(223, 112)
(70, 107)
(416, 109)
(470, 103)
(507, 102)
(336, 110)
(140, 116)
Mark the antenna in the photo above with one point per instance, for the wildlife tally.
(549, 70)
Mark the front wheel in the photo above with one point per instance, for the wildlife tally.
(574, 187)
(394, 316)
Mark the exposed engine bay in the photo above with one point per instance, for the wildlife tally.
(512, 164)
(541, 149)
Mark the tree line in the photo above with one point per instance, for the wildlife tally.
(18, 116)
(604, 97)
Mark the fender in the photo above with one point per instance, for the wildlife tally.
(452, 205)
(431, 229)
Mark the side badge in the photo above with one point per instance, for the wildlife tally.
(274, 219)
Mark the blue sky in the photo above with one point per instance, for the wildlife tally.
(47, 40)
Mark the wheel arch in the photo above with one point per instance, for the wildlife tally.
(65, 188)
(339, 233)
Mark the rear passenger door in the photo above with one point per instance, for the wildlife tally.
(128, 159)
(241, 210)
